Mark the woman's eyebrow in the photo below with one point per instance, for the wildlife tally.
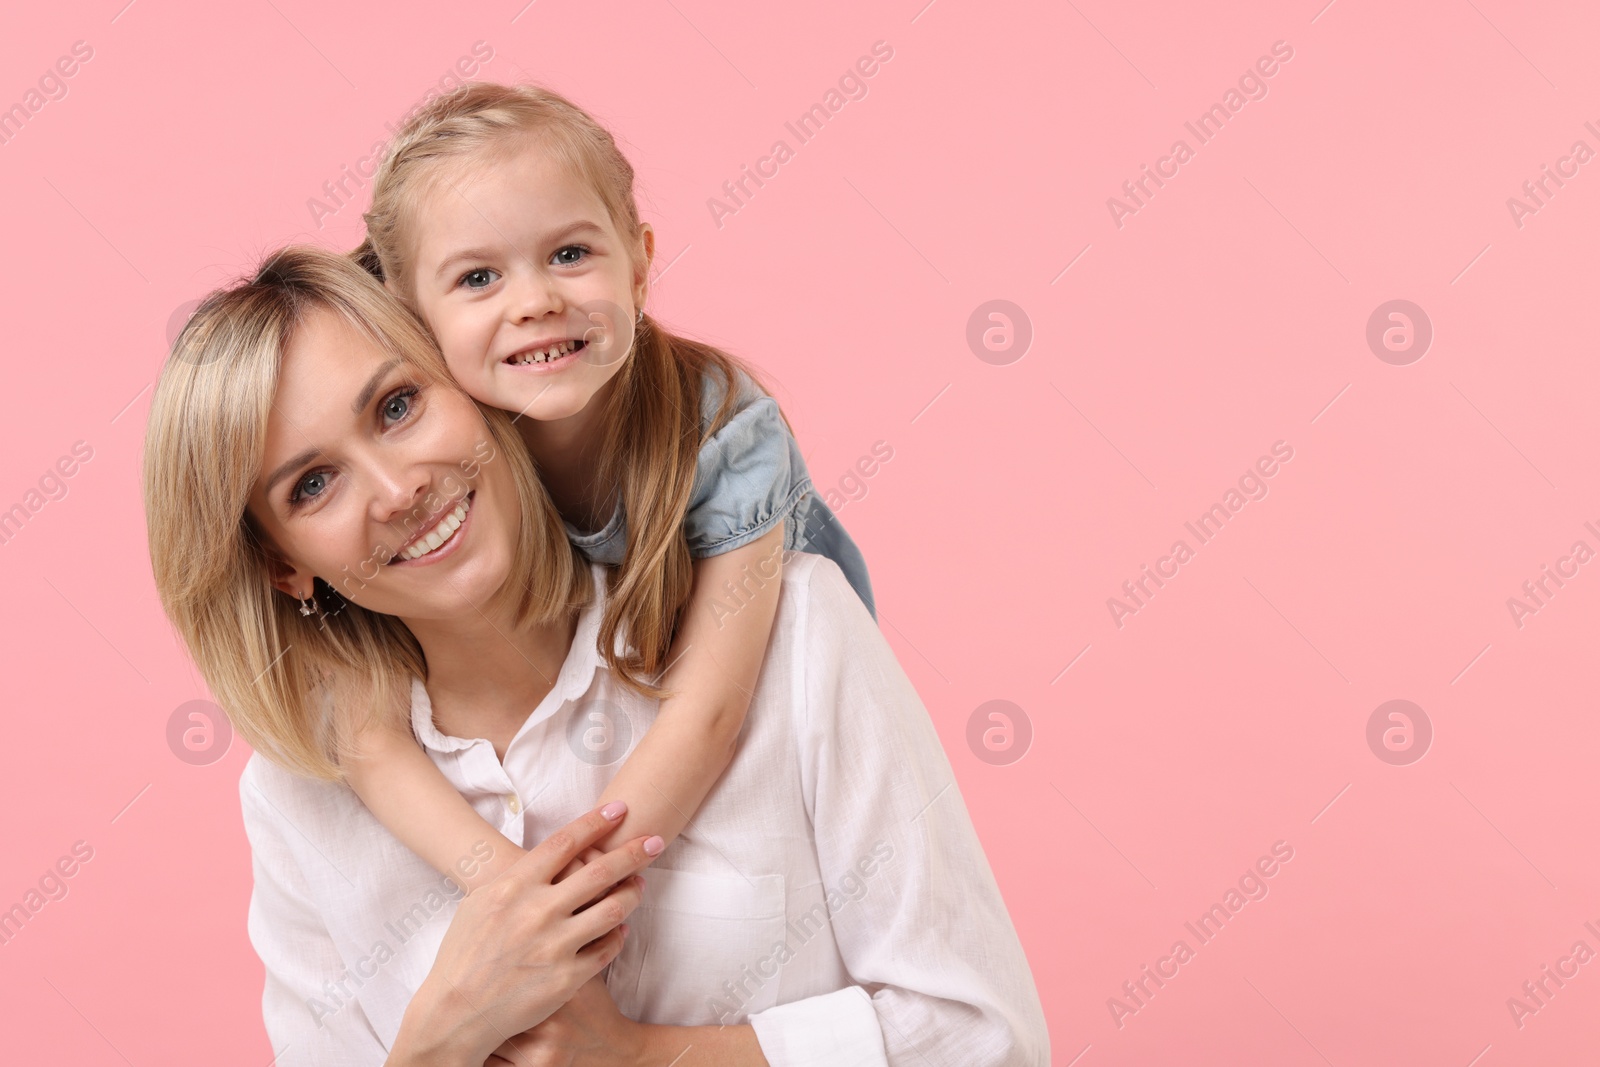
(364, 397)
(285, 469)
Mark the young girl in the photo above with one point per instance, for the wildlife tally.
(504, 216)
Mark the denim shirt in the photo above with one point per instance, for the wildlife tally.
(749, 477)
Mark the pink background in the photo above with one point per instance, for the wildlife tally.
(1227, 314)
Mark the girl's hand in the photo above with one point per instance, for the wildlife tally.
(519, 948)
(588, 1031)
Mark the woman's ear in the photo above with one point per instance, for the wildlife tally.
(288, 578)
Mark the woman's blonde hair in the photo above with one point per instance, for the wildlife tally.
(281, 676)
(652, 420)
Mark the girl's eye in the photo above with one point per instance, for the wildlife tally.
(311, 486)
(570, 254)
(478, 279)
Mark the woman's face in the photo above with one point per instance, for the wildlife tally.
(526, 283)
(368, 469)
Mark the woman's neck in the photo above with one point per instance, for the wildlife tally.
(485, 675)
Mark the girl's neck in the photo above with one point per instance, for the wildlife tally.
(567, 455)
(485, 675)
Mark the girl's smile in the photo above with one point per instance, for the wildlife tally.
(545, 356)
(526, 283)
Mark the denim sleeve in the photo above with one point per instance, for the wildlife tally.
(748, 479)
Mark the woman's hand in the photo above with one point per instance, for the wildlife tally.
(589, 855)
(522, 946)
(588, 1031)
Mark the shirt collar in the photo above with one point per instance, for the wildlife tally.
(576, 677)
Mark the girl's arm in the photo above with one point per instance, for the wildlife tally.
(589, 1031)
(712, 669)
(408, 793)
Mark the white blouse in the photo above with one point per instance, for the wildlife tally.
(831, 891)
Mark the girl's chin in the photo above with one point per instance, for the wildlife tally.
(547, 399)
(554, 405)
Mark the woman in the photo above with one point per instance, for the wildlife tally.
(829, 903)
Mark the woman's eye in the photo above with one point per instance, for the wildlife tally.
(398, 405)
(570, 255)
(310, 486)
(477, 279)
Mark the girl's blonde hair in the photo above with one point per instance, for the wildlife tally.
(281, 676)
(652, 419)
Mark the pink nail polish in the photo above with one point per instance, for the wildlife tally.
(614, 810)
(653, 846)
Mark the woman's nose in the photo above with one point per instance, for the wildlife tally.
(396, 492)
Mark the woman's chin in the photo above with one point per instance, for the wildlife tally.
(469, 586)
(460, 575)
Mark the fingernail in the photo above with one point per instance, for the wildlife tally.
(653, 846)
(624, 929)
(614, 810)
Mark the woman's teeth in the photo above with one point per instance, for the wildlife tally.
(545, 355)
(438, 535)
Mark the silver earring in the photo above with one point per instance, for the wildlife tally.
(305, 608)
(640, 320)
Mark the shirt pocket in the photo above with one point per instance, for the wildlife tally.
(701, 949)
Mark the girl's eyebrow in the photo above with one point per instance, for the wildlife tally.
(455, 257)
(582, 226)
(363, 398)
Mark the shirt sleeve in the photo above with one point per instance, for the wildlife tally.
(309, 1023)
(924, 932)
(835, 1028)
(748, 477)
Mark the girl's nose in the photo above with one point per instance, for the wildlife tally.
(533, 295)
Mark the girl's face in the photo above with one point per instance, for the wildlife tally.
(526, 283)
(368, 468)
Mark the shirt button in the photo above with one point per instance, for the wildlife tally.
(513, 803)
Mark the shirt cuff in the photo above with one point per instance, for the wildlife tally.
(826, 1031)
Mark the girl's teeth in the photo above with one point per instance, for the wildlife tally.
(439, 535)
(545, 355)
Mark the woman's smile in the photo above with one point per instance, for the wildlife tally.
(440, 540)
